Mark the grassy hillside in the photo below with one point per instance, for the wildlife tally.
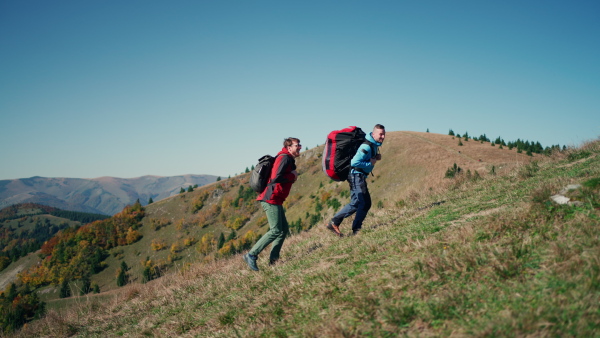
(413, 165)
(479, 257)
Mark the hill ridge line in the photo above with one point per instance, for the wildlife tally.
(440, 145)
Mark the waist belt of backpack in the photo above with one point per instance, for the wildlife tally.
(362, 171)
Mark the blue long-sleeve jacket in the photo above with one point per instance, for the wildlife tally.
(362, 158)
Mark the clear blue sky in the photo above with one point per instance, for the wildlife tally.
(132, 88)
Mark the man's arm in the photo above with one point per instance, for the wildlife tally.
(362, 158)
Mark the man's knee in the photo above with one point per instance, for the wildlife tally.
(277, 233)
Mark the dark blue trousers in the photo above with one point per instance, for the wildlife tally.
(360, 202)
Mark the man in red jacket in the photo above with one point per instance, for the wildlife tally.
(283, 175)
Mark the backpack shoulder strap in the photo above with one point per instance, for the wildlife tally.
(372, 146)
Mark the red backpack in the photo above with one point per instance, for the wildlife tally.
(340, 147)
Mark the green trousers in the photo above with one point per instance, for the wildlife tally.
(278, 230)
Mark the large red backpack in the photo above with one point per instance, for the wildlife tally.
(340, 147)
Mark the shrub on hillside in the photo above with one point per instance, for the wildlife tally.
(158, 244)
(453, 171)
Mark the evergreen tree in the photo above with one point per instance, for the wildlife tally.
(190, 189)
(150, 201)
(218, 178)
(247, 170)
(453, 171)
(85, 285)
(221, 241)
(181, 190)
(146, 274)
(232, 235)
(195, 186)
(121, 278)
(427, 129)
(65, 290)
(451, 133)
(11, 293)
(95, 288)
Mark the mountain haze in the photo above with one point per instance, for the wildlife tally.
(104, 195)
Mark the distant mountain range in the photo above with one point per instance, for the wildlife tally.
(104, 195)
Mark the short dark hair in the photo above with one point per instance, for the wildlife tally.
(379, 126)
(289, 141)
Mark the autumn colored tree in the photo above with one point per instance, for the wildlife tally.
(150, 270)
(158, 244)
(206, 244)
(76, 252)
(132, 236)
(19, 305)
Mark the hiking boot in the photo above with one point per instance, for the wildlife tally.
(334, 228)
(251, 261)
(355, 232)
(273, 261)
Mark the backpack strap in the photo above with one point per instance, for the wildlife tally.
(373, 154)
(373, 149)
(275, 159)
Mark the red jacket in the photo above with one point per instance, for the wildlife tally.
(281, 180)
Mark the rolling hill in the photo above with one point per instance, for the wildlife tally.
(104, 195)
(431, 250)
(23, 230)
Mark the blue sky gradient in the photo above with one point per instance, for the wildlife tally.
(133, 88)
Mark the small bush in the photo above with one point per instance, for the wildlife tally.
(400, 204)
(453, 171)
(578, 154)
(529, 170)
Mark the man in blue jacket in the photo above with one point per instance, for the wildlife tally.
(360, 200)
